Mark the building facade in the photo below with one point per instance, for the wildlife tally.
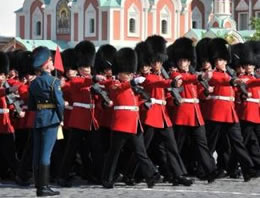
(126, 22)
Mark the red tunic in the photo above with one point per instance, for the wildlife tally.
(82, 115)
(222, 110)
(250, 108)
(188, 113)
(124, 120)
(5, 122)
(157, 115)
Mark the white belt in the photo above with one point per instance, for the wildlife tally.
(255, 100)
(2, 111)
(87, 106)
(68, 107)
(157, 101)
(190, 100)
(130, 108)
(226, 98)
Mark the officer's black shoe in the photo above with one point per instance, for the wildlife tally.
(107, 184)
(181, 180)
(45, 191)
(221, 173)
(64, 183)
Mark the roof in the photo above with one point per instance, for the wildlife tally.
(52, 45)
(110, 3)
(246, 33)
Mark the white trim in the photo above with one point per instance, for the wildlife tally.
(133, 14)
(239, 15)
(250, 13)
(100, 22)
(165, 14)
(111, 38)
(242, 6)
(257, 13)
(37, 18)
(45, 25)
(197, 16)
(17, 25)
(257, 5)
(90, 14)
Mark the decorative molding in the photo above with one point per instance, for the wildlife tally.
(242, 6)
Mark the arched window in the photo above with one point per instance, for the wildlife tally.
(37, 24)
(90, 21)
(164, 27)
(165, 19)
(196, 18)
(133, 21)
(132, 26)
(38, 28)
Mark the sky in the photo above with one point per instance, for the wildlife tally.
(8, 17)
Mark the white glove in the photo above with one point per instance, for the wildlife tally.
(139, 80)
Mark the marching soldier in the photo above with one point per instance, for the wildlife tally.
(223, 119)
(187, 116)
(126, 125)
(45, 97)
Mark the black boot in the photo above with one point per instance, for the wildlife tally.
(43, 189)
(182, 180)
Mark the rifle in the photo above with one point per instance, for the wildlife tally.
(13, 99)
(175, 92)
(233, 76)
(140, 90)
(203, 82)
(96, 88)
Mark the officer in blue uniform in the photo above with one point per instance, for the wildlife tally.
(45, 97)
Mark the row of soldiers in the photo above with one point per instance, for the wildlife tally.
(142, 112)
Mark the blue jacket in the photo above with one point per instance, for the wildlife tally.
(40, 92)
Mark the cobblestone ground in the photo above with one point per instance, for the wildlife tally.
(222, 188)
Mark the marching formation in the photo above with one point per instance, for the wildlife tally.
(152, 114)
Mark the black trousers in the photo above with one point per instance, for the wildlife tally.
(250, 131)
(199, 142)
(73, 144)
(7, 151)
(118, 140)
(233, 131)
(165, 137)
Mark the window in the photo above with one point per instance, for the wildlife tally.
(132, 26)
(133, 21)
(92, 26)
(194, 24)
(196, 18)
(38, 28)
(165, 18)
(164, 27)
(257, 15)
(243, 21)
(37, 19)
(90, 21)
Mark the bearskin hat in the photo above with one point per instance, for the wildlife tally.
(104, 58)
(202, 51)
(255, 47)
(69, 59)
(218, 48)
(183, 49)
(125, 61)
(157, 46)
(4, 63)
(26, 60)
(85, 51)
(143, 54)
(242, 54)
